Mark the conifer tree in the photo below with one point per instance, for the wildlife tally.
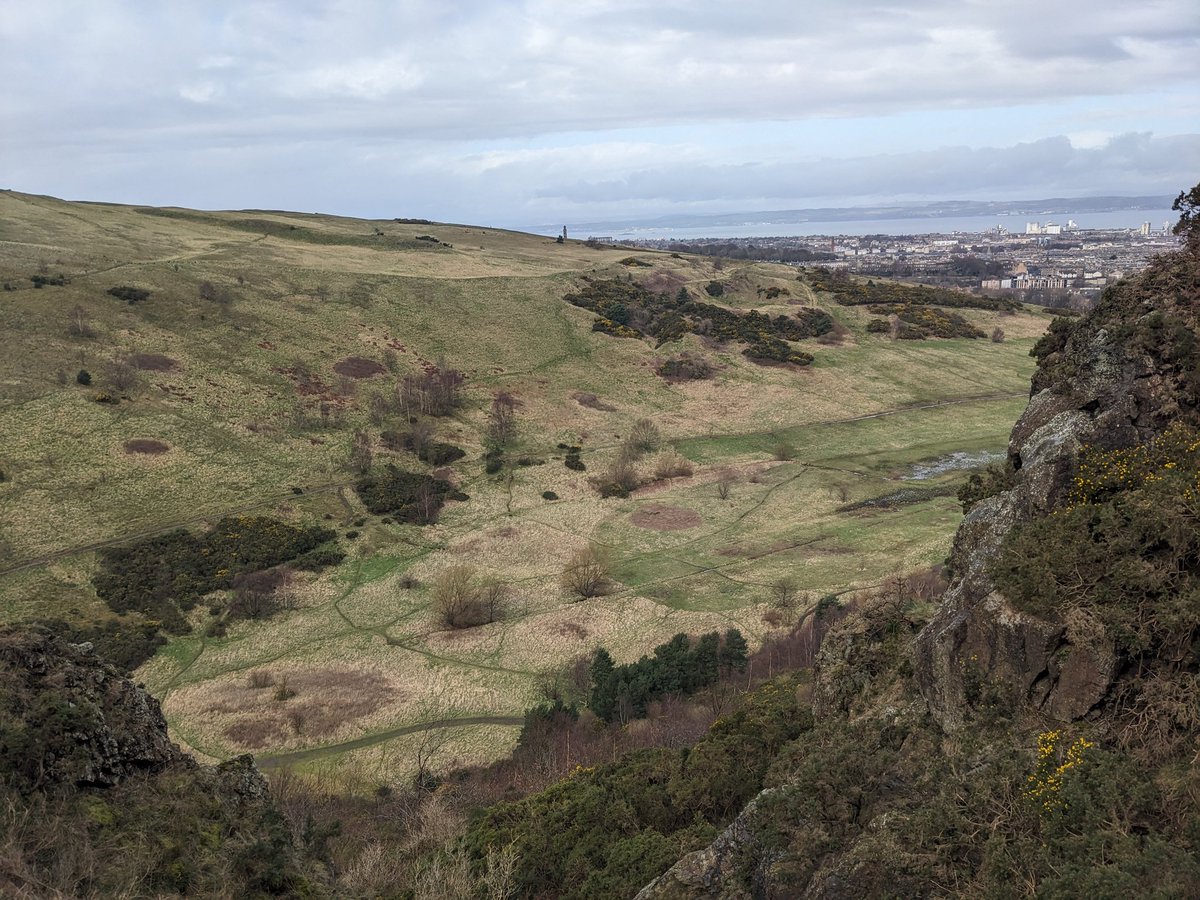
(734, 652)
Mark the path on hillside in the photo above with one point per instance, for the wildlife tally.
(280, 760)
(336, 485)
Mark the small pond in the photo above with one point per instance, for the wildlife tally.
(950, 463)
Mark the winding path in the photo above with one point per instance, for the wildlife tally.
(282, 760)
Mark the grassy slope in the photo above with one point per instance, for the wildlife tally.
(491, 304)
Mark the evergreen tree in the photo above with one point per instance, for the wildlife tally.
(734, 652)
(705, 661)
(601, 700)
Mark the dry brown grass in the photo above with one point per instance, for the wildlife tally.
(661, 517)
(322, 702)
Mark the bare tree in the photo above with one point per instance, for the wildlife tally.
(361, 454)
(587, 573)
(461, 600)
(997, 335)
(726, 479)
(502, 420)
(378, 409)
(79, 323)
(123, 374)
(435, 392)
(643, 438)
(785, 593)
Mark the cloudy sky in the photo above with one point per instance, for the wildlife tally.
(519, 112)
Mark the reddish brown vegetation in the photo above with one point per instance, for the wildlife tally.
(146, 445)
(660, 517)
(152, 362)
(359, 367)
(591, 401)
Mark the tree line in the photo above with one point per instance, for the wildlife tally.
(677, 667)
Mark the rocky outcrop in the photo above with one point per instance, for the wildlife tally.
(70, 719)
(1098, 387)
(710, 872)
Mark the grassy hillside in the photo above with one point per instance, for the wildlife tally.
(225, 367)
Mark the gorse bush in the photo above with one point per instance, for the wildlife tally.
(849, 292)
(626, 309)
(607, 831)
(916, 322)
(412, 497)
(1124, 549)
(161, 575)
(129, 294)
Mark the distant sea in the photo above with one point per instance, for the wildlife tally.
(950, 225)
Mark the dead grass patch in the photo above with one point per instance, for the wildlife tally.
(152, 362)
(591, 401)
(661, 517)
(359, 367)
(573, 629)
(146, 445)
(322, 701)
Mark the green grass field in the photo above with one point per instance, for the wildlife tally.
(363, 653)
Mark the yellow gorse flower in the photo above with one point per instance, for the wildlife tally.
(1052, 766)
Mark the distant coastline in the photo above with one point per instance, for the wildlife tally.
(931, 218)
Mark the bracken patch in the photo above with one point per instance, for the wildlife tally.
(146, 445)
(359, 367)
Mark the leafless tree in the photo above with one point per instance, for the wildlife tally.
(435, 392)
(502, 420)
(785, 593)
(587, 573)
(79, 323)
(726, 479)
(123, 374)
(361, 454)
(643, 438)
(462, 600)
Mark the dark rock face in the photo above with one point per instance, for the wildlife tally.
(711, 871)
(67, 718)
(1097, 390)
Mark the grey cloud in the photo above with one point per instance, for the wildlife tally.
(384, 107)
(1137, 162)
(536, 67)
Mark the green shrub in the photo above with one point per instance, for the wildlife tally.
(606, 831)
(129, 294)
(160, 575)
(1124, 548)
(849, 292)
(993, 480)
(407, 496)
